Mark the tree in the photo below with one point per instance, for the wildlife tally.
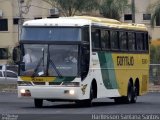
(154, 54)
(71, 7)
(113, 8)
(155, 10)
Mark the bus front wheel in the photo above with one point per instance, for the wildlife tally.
(38, 103)
(87, 102)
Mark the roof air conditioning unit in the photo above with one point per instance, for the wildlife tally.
(54, 12)
(1, 13)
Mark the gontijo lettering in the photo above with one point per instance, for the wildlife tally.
(125, 60)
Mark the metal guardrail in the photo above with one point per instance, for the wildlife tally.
(154, 78)
(154, 74)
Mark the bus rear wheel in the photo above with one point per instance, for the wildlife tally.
(131, 95)
(134, 95)
(38, 103)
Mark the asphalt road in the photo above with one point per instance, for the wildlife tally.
(10, 104)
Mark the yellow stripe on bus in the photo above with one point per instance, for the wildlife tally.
(38, 79)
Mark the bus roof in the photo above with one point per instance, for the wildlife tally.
(62, 21)
(85, 20)
(112, 23)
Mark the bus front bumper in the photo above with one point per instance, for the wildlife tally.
(44, 92)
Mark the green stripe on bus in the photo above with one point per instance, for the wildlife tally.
(107, 70)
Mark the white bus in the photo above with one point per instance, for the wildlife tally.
(81, 58)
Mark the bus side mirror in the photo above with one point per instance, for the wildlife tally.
(16, 55)
(22, 66)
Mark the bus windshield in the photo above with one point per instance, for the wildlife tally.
(51, 34)
(49, 60)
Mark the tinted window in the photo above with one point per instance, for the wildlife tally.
(131, 41)
(10, 74)
(15, 21)
(105, 39)
(33, 56)
(123, 40)
(139, 40)
(51, 34)
(86, 34)
(96, 39)
(13, 68)
(3, 25)
(36, 18)
(1, 74)
(3, 53)
(65, 59)
(145, 41)
(60, 60)
(114, 39)
(146, 16)
(128, 17)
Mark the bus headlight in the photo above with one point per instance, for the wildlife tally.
(22, 91)
(26, 93)
(71, 92)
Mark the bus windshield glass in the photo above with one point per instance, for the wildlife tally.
(49, 60)
(51, 34)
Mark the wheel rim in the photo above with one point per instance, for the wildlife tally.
(135, 94)
(91, 93)
(129, 94)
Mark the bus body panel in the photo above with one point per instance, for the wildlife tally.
(113, 71)
(131, 66)
(102, 78)
(54, 91)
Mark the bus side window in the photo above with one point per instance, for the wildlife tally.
(85, 34)
(105, 43)
(123, 40)
(95, 39)
(140, 41)
(131, 41)
(85, 59)
(114, 40)
(146, 41)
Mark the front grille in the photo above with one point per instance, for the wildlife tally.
(39, 83)
(55, 83)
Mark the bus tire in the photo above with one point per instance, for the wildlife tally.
(130, 98)
(87, 102)
(134, 95)
(130, 94)
(38, 103)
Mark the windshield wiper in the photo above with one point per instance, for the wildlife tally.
(36, 69)
(55, 68)
(39, 63)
